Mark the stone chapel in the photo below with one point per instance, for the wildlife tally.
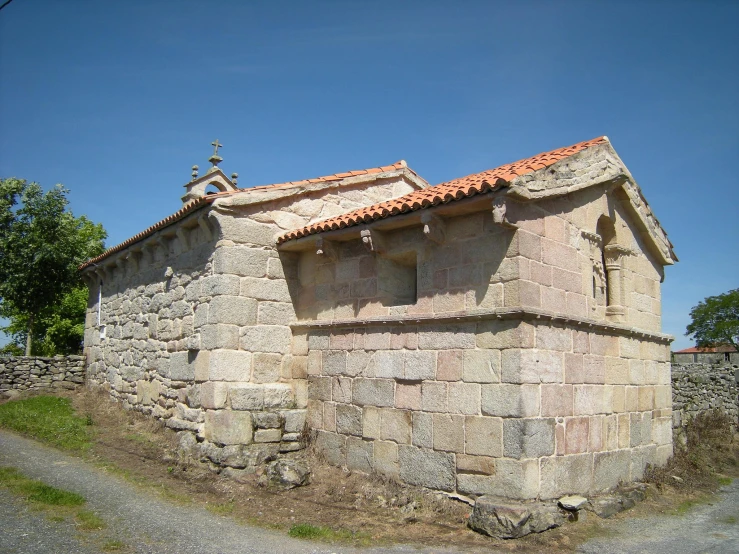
(495, 334)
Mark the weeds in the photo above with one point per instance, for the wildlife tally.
(89, 521)
(113, 546)
(36, 491)
(222, 509)
(687, 505)
(48, 418)
(317, 532)
(710, 450)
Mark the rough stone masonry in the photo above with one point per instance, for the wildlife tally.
(701, 387)
(20, 373)
(498, 334)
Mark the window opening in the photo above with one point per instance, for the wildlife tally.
(397, 279)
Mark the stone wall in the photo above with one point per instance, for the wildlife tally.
(194, 322)
(700, 387)
(521, 409)
(36, 373)
(506, 374)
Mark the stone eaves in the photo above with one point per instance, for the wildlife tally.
(550, 174)
(266, 193)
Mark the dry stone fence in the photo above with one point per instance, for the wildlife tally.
(704, 386)
(21, 373)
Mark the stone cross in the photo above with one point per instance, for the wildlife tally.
(217, 146)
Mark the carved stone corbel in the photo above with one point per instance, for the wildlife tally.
(205, 226)
(182, 235)
(326, 248)
(99, 275)
(594, 239)
(109, 268)
(147, 252)
(499, 213)
(434, 228)
(373, 241)
(162, 242)
(133, 260)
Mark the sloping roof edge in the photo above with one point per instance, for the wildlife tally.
(707, 350)
(456, 189)
(203, 201)
(489, 181)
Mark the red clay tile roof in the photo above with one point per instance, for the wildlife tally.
(707, 350)
(457, 189)
(205, 200)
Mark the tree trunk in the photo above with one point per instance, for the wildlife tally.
(29, 336)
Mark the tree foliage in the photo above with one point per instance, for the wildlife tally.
(60, 328)
(715, 320)
(41, 245)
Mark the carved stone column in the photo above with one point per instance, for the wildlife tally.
(614, 255)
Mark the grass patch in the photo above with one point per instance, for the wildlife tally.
(222, 509)
(725, 481)
(113, 546)
(317, 532)
(47, 418)
(36, 491)
(731, 520)
(89, 521)
(687, 505)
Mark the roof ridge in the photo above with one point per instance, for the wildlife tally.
(401, 164)
(456, 189)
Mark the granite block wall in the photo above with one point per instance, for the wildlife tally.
(521, 409)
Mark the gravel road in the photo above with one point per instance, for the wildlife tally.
(148, 524)
(144, 522)
(706, 528)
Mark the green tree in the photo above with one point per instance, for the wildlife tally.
(41, 245)
(59, 329)
(715, 320)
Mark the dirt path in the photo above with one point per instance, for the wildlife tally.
(147, 523)
(706, 528)
(135, 517)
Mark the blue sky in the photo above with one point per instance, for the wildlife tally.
(117, 100)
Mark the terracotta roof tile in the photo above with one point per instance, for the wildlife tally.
(707, 350)
(205, 200)
(443, 193)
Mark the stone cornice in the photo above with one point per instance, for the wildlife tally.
(481, 315)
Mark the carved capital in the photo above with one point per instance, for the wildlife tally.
(614, 253)
(326, 248)
(434, 228)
